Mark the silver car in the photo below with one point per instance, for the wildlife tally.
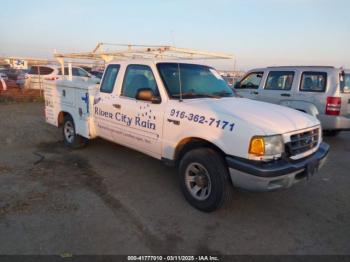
(321, 91)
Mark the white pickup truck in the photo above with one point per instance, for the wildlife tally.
(185, 115)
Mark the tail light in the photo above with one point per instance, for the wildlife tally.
(333, 106)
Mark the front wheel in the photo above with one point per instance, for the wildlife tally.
(204, 179)
(71, 139)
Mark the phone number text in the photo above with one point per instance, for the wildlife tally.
(200, 119)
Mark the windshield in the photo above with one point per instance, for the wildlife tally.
(195, 81)
(345, 83)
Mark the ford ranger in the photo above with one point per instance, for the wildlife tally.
(185, 115)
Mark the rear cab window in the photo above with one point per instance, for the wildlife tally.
(279, 80)
(109, 78)
(313, 82)
(251, 81)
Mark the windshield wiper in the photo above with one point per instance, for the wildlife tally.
(194, 95)
(224, 94)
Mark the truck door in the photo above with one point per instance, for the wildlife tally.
(248, 87)
(278, 87)
(142, 121)
(104, 103)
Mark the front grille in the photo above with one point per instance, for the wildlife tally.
(302, 142)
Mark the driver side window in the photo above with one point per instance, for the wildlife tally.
(138, 77)
(251, 81)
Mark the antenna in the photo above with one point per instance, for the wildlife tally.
(172, 37)
(180, 84)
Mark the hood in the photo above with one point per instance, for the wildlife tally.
(270, 118)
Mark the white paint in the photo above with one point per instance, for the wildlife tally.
(70, 74)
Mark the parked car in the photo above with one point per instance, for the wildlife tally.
(21, 78)
(86, 68)
(186, 115)
(98, 74)
(79, 74)
(321, 91)
(15, 77)
(3, 76)
(37, 75)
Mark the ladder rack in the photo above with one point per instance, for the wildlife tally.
(126, 51)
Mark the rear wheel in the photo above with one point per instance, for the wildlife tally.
(71, 139)
(204, 179)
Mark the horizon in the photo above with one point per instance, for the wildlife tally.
(257, 33)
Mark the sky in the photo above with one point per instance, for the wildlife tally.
(257, 32)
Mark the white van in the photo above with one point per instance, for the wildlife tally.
(38, 74)
(321, 91)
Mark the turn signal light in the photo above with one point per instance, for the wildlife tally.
(257, 146)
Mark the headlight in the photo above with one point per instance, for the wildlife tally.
(266, 145)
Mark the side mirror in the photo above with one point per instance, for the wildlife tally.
(237, 85)
(147, 94)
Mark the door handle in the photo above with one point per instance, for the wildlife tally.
(175, 122)
(285, 94)
(254, 92)
(117, 106)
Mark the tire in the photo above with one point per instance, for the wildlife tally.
(331, 133)
(70, 138)
(204, 168)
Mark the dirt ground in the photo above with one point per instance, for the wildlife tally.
(107, 199)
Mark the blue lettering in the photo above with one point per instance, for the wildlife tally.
(145, 124)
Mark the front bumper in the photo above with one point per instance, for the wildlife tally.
(283, 173)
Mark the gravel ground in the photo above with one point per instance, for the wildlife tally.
(107, 199)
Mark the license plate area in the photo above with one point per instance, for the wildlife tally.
(312, 168)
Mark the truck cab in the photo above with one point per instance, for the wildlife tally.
(187, 116)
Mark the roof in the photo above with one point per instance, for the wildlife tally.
(301, 66)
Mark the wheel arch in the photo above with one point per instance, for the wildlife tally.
(60, 117)
(190, 143)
